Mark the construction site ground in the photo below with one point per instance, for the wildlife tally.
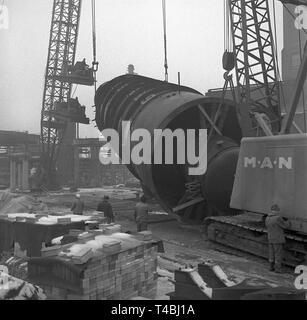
(183, 244)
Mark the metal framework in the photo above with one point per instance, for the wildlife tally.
(62, 50)
(257, 81)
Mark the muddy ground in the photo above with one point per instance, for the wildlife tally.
(184, 245)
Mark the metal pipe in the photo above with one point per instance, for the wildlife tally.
(154, 104)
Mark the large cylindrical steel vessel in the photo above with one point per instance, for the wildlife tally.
(152, 104)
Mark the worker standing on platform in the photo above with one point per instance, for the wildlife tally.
(130, 69)
(106, 207)
(141, 214)
(78, 205)
(275, 225)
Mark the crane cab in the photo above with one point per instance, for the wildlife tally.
(273, 170)
(69, 111)
(80, 73)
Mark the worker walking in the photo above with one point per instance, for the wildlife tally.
(106, 207)
(78, 205)
(141, 214)
(275, 225)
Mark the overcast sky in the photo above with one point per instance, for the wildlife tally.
(128, 31)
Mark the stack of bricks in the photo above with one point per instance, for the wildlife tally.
(122, 275)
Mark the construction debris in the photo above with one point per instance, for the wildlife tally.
(12, 288)
(209, 282)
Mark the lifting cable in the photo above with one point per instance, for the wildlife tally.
(228, 45)
(228, 64)
(165, 42)
(224, 4)
(94, 63)
(229, 55)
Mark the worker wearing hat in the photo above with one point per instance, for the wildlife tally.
(275, 225)
(141, 214)
(78, 205)
(106, 207)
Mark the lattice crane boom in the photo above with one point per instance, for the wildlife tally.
(256, 72)
(61, 51)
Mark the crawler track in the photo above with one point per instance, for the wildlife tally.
(246, 232)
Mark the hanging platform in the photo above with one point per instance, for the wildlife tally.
(75, 79)
(69, 111)
(80, 73)
(77, 118)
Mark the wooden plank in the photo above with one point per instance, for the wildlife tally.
(188, 204)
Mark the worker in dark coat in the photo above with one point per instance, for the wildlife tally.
(141, 214)
(78, 205)
(275, 225)
(106, 207)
